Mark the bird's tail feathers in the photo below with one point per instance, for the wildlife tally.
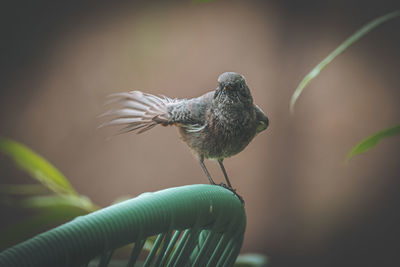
(138, 111)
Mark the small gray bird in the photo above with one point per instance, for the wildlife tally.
(216, 125)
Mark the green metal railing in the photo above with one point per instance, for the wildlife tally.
(197, 225)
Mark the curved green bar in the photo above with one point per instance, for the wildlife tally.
(194, 207)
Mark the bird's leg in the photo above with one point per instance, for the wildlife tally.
(206, 171)
(229, 183)
(224, 171)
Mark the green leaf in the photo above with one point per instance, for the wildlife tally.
(148, 245)
(44, 216)
(121, 199)
(36, 166)
(45, 212)
(251, 260)
(349, 41)
(372, 141)
(23, 189)
(58, 201)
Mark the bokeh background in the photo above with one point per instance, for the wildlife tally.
(305, 206)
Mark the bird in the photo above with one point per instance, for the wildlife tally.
(216, 125)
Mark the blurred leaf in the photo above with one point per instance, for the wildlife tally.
(251, 260)
(23, 189)
(372, 141)
(349, 41)
(38, 167)
(148, 245)
(121, 199)
(57, 201)
(47, 218)
(50, 211)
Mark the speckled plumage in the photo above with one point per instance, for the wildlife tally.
(221, 123)
(216, 125)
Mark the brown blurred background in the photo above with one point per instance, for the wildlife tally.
(305, 206)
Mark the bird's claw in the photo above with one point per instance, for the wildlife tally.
(232, 190)
(223, 185)
(238, 196)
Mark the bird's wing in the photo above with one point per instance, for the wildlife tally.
(190, 114)
(261, 118)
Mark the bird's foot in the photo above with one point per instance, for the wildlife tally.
(223, 185)
(233, 191)
(238, 196)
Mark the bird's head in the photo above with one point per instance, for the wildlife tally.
(232, 85)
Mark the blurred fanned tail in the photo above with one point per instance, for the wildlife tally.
(138, 111)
